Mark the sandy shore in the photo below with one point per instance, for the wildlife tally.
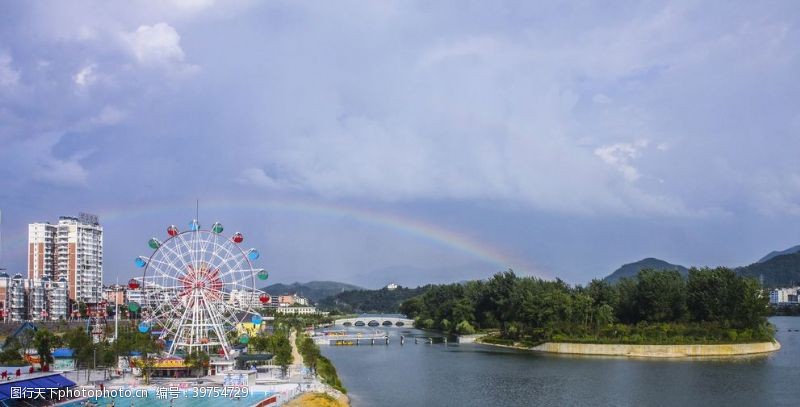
(318, 400)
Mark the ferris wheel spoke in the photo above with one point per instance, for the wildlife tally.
(165, 275)
(176, 255)
(165, 264)
(189, 250)
(217, 327)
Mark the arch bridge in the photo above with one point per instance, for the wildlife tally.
(375, 321)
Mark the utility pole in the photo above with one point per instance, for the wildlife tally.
(116, 311)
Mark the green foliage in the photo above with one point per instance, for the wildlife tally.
(464, 328)
(309, 350)
(327, 372)
(653, 307)
(44, 341)
(277, 344)
(660, 296)
(11, 356)
(197, 360)
(313, 359)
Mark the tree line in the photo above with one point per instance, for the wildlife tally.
(708, 306)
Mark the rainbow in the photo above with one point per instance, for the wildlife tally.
(412, 227)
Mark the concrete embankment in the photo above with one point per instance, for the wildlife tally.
(658, 351)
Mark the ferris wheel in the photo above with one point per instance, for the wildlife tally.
(197, 286)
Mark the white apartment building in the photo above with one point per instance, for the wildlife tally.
(41, 250)
(69, 253)
(296, 310)
(784, 295)
(245, 299)
(79, 248)
(32, 299)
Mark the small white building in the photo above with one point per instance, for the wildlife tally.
(392, 286)
(296, 310)
(787, 296)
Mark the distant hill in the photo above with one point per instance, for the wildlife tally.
(771, 255)
(632, 269)
(313, 290)
(383, 301)
(778, 271)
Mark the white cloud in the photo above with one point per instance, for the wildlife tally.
(257, 177)
(85, 76)
(156, 44)
(620, 155)
(110, 115)
(192, 5)
(62, 173)
(470, 47)
(8, 75)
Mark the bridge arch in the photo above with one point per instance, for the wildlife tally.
(375, 321)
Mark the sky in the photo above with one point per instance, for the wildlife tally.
(408, 141)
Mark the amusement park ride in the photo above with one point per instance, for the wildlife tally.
(197, 286)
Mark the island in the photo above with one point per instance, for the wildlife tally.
(657, 313)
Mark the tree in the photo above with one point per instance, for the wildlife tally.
(279, 345)
(309, 350)
(197, 360)
(10, 356)
(604, 316)
(43, 341)
(83, 309)
(660, 295)
(464, 328)
(82, 346)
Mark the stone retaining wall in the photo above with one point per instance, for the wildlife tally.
(658, 351)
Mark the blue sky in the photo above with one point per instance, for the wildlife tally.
(567, 139)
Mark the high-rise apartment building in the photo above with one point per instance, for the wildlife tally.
(70, 251)
(79, 249)
(41, 250)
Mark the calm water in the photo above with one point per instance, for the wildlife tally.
(478, 375)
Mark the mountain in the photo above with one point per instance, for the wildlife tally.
(383, 301)
(778, 271)
(313, 290)
(774, 254)
(632, 269)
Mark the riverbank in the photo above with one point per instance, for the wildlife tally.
(649, 351)
(319, 400)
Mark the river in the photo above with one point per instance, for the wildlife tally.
(480, 375)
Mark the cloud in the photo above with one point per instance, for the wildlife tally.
(62, 173)
(110, 115)
(257, 177)
(8, 75)
(85, 76)
(156, 45)
(620, 155)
